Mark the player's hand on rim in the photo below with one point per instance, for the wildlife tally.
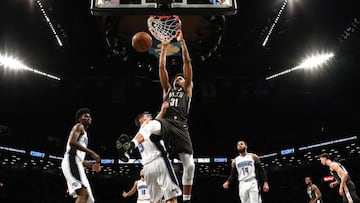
(179, 36)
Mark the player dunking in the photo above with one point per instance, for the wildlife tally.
(178, 95)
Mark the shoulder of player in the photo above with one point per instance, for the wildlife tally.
(252, 154)
(233, 161)
(313, 186)
(334, 165)
(255, 157)
(79, 127)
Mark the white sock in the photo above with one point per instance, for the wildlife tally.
(186, 197)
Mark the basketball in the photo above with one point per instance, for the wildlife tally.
(141, 41)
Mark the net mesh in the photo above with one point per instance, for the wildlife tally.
(164, 28)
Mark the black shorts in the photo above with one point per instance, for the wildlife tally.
(176, 137)
(350, 193)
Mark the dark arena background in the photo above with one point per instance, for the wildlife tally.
(251, 82)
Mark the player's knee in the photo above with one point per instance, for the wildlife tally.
(188, 174)
(188, 168)
(191, 169)
(82, 193)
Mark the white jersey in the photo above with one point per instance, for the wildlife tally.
(73, 169)
(148, 149)
(158, 171)
(83, 140)
(143, 191)
(245, 166)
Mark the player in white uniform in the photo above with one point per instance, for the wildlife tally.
(158, 171)
(142, 190)
(74, 161)
(249, 169)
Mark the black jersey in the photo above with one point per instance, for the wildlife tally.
(349, 189)
(312, 194)
(179, 105)
(174, 123)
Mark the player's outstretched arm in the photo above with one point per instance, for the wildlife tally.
(187, 66)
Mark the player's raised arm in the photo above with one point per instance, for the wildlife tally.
(187, 66)
(163, 74)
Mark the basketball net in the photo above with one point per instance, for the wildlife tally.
(164, 28)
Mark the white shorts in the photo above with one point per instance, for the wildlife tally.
(249, 191)
(75, 176)
(159, 181)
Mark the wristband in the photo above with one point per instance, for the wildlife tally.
(136, 143)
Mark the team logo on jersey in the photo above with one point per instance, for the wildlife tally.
(176, 94)
(244, 164)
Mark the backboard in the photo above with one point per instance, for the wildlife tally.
(163, 7)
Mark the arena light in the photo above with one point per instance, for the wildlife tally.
(274, 23)
(48, 20)
(308, 63)
(315, 61)
(12, 63)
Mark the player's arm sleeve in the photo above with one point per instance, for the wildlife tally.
(261, 171)
(232, 175)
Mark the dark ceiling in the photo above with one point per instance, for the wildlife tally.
(232, 99)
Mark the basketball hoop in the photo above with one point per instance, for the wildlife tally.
(164, 28)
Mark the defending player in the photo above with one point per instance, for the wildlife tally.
(158, 171)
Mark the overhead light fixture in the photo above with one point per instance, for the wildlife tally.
(48, 20)
(14, 64)
(309, 63)
(274, 23)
